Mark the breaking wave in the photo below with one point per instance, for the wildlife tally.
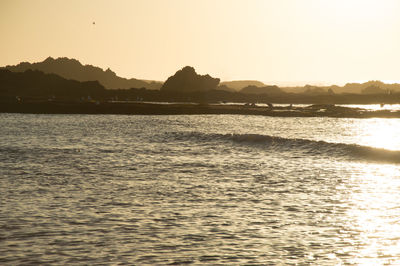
(309, 147)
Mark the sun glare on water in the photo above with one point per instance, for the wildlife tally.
(381, 133)
(374, 199)
(373, 213)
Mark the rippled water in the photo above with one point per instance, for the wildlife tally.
(211, 189)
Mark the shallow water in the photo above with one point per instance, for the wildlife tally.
(206, 189)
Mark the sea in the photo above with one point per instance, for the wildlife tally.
(198, 189)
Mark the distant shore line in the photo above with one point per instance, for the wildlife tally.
(140, 108)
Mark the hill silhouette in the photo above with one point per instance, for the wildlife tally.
(369, 87)
(33, 86)
(187, 80)
(240, 84)
(360, 87)
(36, 84)
(73, 69)
(261, 90)
(184, 86)
(373, 89)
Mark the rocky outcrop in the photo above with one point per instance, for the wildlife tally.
(187, 80)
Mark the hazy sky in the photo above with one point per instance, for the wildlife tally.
(275, 41)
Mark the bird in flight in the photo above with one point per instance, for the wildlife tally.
(94, 23)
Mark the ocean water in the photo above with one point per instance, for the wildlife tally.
(201, 189)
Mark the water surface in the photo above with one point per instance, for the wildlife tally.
(203, 189)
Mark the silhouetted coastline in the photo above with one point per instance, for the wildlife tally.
(36, 85)
(34, 91)
(141, 108)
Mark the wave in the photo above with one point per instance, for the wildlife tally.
(305, 146)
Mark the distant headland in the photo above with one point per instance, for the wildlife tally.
(65, 80)
(73, 69)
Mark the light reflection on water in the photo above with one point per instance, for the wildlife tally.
(375, 207)
(373, 107)
(380, 133)
(214, 189)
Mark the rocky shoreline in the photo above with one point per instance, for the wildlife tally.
(140, 108)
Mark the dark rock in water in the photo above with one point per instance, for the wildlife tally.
(320, 106)
(187, 80)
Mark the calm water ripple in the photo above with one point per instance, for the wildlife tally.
(207, 189)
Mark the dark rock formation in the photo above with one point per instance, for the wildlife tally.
(73, 69)
(187, 80)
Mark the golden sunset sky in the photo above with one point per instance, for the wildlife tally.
(274, 41)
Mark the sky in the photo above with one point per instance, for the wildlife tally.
(284, 42)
